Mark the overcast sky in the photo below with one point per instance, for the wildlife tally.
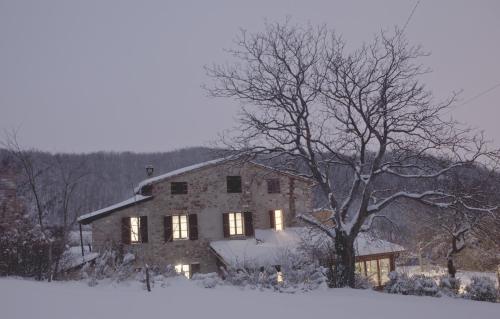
(81, 76)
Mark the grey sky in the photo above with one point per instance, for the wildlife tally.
(79, 76)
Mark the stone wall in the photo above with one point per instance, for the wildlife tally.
(208, 198)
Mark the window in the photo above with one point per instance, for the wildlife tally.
(184, 269)
(279, 274)
(233, 184)
(385, 268)
(235, 224)
(273, 186)
(134, 229)
(278, 219)
(178, 188)
(179, 227)
(377, 270)
(360, 268)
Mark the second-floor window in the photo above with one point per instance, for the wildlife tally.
(177, 188)
(235, 224)
(180, 227)
(233, 184)
(135, 230)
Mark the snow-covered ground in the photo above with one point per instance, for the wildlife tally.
(184, 299)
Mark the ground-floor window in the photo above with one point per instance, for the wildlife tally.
(184, 269)
(376, 269)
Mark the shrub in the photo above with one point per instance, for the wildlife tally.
(362, 282)
(482, 289)
(418, 285)
(449, 286)
(424, 286)
(296, 276)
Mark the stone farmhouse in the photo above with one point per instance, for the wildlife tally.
(217, 214)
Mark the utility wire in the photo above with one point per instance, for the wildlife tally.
(479, 94)
(410, 16)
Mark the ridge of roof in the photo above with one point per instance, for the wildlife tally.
(87, 218)
(216, 161)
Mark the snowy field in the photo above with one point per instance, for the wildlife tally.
(183, 299)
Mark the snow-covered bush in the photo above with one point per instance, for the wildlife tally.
(362, 282)
(449, 286)
(424, 286)
(399, 283)
(293, 274)
(482, 289)
(210, 280)
(419, 285)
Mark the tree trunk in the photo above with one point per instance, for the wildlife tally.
(451, 267)
(343, 273)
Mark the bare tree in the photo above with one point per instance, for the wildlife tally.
(51, 187)
(465, 224)
(306, 99)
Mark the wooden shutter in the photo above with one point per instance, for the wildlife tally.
(126, 230)
(271, 219)
(248, 223)
(225, 224)
(193, 227)
(143, 224)
(195, 268)
(167, 227)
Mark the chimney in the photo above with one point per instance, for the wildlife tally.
(149, 170)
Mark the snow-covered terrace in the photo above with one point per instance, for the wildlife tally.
(270, 247)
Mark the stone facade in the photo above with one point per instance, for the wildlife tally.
(208, 198)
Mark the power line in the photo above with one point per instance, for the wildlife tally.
(411, 15)
(479, 94)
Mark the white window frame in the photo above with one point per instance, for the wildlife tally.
(183, 269)
(180, 227)
(236, 224)
(278, 220)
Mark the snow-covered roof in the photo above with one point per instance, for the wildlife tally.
(179, 172)
(206, 164)
(87, 218)
(270, 247)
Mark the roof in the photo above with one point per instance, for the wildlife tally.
(90, 217)
(180, 171)
(214, 162)
(270, 247)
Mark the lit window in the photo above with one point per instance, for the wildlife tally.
(184, 270)
(134, 229)
(279, 274)
(385, 269)
(278, 219)
(235, 224)
(360, 268)
(279, 277)
(179, 227)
